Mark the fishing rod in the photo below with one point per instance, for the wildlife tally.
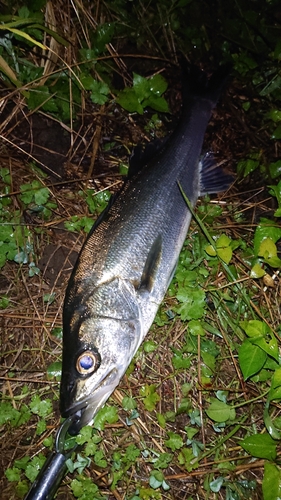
(55, 468)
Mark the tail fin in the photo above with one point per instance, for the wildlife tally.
(197, 85)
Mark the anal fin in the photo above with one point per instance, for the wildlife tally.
(213, 178)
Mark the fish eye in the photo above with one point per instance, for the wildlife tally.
(87, 363)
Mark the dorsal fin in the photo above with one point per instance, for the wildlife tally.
(142, 154)
(151, 265)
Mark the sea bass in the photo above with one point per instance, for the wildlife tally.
(130, 255)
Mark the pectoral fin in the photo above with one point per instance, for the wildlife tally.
(151, 265)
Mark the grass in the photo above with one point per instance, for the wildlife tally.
(197, 415)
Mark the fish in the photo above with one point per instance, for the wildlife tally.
(130, 255)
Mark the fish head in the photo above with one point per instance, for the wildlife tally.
(97, 350)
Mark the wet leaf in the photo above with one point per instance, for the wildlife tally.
(54, 370)
(41, 407)
(151, 398)
(275, 387)
(216, 485)
(257, 271)
(35, 465)
(13, 474)
(260, 446)
(251, 359)
(271, 484)
(107, 414)
(129, 403)
(175, 441)
(163, 461)
(266, 229)
(219, 411)
(156, 478)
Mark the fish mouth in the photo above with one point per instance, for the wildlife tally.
(84, 411)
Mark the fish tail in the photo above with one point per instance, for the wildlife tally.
(197, 85)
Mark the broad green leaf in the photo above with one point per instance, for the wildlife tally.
(102, 36)
(40, 97)
(270, 424)
(209, 360)
(275, 388)
(247, 166)
(272, 85)
(222, 396)
(4, 302)
(192, 303)
(99, 93)
(151, 398)
(163, 461)
(21, 463)
(185, 457)
(141, 86)
(54, 370)
(210, 346)
(277, 133)
(274, 115)
(254, 328)
(260, 446)
(84, 487)
(149, 493)
(22, 488)
(191, 432)
(129, 100)
(84, 435)
(149, 346)
(275, 172)
(180, 360)
(175, 441)
(223, 241)
(41, 196)
(271, 484)
(41, 407)
(161, 420)
(224, 250)
(41, 427)
(57, 332)
(156, 478)
(79, 464)
(132, 452)
(99, 459)
(13, 474)
(219, 411)
(107, 414)
(196, 328)
(157, 84)
(269, 345)
(266, 229)
(251, 359)
(210, 250)
(216, 485)
(268, 251)
(34, 466)
(257, 271)
(158, 103)
(276, 190)
(261, 335)
(91, 448)
(129, 403)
